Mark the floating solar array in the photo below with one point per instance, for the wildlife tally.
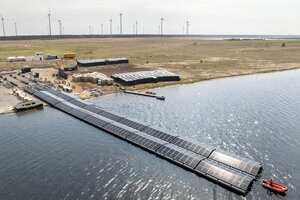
(104, 61)
(134, 78)
(224, 168)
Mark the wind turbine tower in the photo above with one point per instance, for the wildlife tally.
(121, 15)
(16, 31)
(49, 19)
(110, 25)
(60, 27)
(187, 27)
(102, 29)
(136, 28)
(3, 27)
(161, 25)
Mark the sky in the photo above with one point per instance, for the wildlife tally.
(259, 17)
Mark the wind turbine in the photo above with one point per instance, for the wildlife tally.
(161, 25)
(16, 30)
(187, 27)
(110, 25)
(136, 27)
(49, 19)
(60, 27)
(121, 15)
(3, 27)
(102, 29)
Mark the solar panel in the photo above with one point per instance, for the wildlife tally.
(78, 103)
(132, 123)
(51, 100)
(243, 164)
(224, 175)
(199, 148)
(54, 92)
(64, 96)
(158, 133)
(93, 109)
(40, 95)
(96, 120)
(63, 107)
(118, 129)
(146, 141)
(110, 115)
(78, 113)
(29, 89)
(180, 155)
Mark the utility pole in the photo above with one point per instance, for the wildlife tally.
(16, 31)
(110, 25)
(136, 28)
(102, 29)
(121, 15)
(60, 27)
(161, 25)
(187, 27)
(3, 27)
(49, 19)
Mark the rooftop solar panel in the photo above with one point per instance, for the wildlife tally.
(198, 148)
(243, 164)
(54, 92)
(221, 174)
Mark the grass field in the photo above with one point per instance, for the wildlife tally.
(193, 59)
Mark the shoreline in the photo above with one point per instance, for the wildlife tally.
(174, 84)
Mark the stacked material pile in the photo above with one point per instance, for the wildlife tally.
(94, 77)
(22, 95)
(134, 78)
(102, 61)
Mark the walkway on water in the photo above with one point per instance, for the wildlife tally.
(227, 169)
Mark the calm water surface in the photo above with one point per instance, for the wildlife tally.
(50, 155)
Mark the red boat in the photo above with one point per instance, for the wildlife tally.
(276, 187)
(150, 92)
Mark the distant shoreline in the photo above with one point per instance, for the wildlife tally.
(209, 36)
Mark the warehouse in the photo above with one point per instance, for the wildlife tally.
(134, 78)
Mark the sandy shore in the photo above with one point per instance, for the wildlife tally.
(193, 59)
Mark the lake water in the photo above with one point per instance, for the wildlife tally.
(50, 155)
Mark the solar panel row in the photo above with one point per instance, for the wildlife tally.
(222, 167)
(118, 129)
(158, 133)
(201, 149)
(237, 162)
(219, 173)
(180, 155)
(145, 141)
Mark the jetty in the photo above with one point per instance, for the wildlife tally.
(234, 172)
(145, 95)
